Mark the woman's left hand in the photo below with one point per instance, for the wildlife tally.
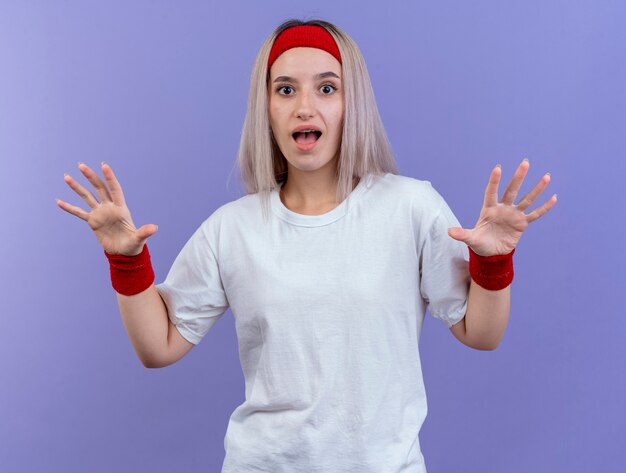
(501, 224)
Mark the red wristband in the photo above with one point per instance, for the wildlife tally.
(491, 272)
(131, 275)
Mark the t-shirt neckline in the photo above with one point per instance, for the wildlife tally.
(279, 209)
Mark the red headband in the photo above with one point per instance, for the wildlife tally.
(303, 36)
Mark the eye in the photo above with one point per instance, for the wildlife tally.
(328, 89)
(283, 87)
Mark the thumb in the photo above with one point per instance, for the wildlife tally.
(147, 231)
(458, 233)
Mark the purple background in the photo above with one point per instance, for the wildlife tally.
(158, 89)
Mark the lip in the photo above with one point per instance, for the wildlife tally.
(310, 146)
(305, 127)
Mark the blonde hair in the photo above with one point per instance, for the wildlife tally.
(365, 148)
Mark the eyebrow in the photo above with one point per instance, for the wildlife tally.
(321, 75)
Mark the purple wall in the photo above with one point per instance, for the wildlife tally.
(158, 89)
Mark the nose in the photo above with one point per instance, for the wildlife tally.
(305, 105)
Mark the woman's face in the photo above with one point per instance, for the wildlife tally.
(305, 92)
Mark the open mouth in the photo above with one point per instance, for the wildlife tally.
(306, 137)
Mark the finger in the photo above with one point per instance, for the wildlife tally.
(541, 211)
(491, 192)
(72, 209)
(460, 234)
(512, 189)
(95, 180)
(116, 189)
(86, 195)
(147, 231)
(535, 192)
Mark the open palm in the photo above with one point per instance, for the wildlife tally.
(110, 219)
(501, 224)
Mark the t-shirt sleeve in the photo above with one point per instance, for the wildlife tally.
(192, 290)
(444, 269)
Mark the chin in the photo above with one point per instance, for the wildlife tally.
(309, 166)
(309, 162)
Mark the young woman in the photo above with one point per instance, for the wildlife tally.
(328, 265)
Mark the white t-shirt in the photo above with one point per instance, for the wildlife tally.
(328, 312)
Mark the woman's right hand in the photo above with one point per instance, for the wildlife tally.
(110, 218)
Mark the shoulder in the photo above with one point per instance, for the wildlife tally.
(418, 193)
(426, 208)
(242, 210)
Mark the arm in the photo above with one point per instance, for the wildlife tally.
(486, 318)
(155, 339)
(497, 232)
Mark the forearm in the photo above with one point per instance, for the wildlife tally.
(487, 316)
(145, 318)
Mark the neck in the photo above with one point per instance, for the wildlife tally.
(311, 193)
